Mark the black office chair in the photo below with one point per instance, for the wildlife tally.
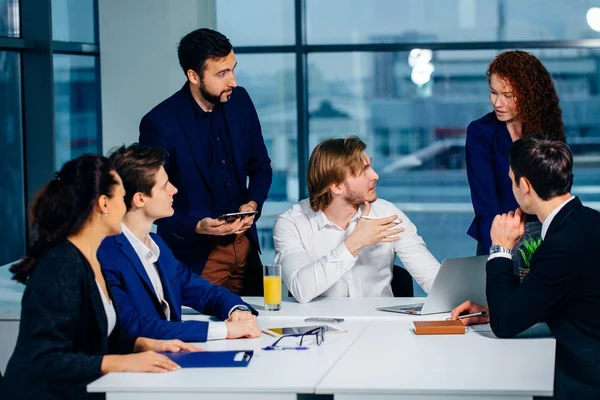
(253, 276)
(402, 283)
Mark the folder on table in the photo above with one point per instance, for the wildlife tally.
(439, 327)
(211, 359)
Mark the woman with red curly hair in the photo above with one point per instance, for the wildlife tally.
(525, 103)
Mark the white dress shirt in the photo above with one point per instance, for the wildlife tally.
(109, 309)
(149, 257)
(545, 226)
(316, 262)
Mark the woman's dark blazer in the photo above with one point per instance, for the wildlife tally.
(63, 331)
(487, 146)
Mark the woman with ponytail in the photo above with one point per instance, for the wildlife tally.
(69, 333)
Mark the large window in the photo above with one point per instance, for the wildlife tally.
(49, 97)
(416, 132)
(408, 76)
(271, 82)
(73, 21)
(256, 22)
(12, 206)
(77, 99)
(10, 24)
(430, 21)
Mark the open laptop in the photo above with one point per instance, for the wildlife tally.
(458, 280)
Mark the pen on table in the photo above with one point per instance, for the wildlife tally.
(322, 319)
(477, 314)
(286, 348)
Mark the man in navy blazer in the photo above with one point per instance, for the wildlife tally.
(212, 135)
(562, 287)
(148, 283)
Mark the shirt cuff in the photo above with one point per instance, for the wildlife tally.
(216, 331)
(343, 254)
(499, 254)
(234, 307)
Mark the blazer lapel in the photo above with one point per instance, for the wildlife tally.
(130, 253)
(563, 214)
(197, 142)
(97, 304)
(166, 284)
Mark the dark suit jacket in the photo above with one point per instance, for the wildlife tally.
(141, 313)
(561, 289)
(487, 146)
(62, 333)
(172, 125)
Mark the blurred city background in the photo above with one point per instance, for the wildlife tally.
(407, 76)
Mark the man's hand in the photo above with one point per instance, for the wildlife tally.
(468, 307)
(161, 346)
(508, 228)
(241, 316)
(242, 329)
(249, 220)
(369, 232)
(218, 227)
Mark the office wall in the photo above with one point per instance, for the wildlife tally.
(138, 59)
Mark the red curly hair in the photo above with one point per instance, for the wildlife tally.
(533, 89)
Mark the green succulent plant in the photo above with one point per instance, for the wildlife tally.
(529, 247)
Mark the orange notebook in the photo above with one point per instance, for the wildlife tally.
(439, 327)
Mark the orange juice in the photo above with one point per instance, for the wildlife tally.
(272, 290)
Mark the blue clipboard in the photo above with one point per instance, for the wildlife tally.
(212, 359)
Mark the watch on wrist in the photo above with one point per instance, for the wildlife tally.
(496, 248)
(240, 308)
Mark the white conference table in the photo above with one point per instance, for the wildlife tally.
(390, 361)
(378, 357)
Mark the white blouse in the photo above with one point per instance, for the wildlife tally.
(109, 309)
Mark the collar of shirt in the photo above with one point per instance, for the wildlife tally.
(144, 252)
(551, 216)
(323, 221)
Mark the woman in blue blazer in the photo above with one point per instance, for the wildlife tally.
(69, 333)
(525, 102)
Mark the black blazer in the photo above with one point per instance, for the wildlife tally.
(561, 289)
(62, 333)
(172, 125)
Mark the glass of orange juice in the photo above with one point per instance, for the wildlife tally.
(272, 283)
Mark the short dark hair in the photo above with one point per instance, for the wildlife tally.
(137, 166)
(200, 45)
(546, 163)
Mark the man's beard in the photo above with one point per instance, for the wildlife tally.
(355, 198)
(208, 96)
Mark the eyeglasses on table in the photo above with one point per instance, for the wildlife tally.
(319, 333)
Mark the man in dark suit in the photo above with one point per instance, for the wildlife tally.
(562, 287)
(211, 132)
(148, 283)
